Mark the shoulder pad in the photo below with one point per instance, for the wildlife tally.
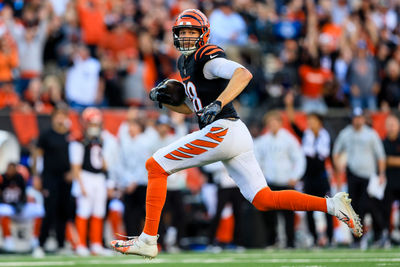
(208, 52)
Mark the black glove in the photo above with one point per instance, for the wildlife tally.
(157, 94)
(207, 114)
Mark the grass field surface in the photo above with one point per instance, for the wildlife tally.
(283, 258)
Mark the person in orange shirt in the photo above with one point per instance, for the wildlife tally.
(91, 16)
(314, 80)
(8, 96)
(8, 59)
(117, 40)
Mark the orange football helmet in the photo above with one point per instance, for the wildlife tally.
(191, 18)
(92, 115)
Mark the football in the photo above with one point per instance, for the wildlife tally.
(176, 90)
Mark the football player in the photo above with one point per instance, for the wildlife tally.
(212, 82)
(89, 188)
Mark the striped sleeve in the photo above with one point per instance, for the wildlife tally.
(209, 52)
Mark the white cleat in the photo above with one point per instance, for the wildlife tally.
(134, 245)
(38, 253)
(345, 213)
(9, 244)
(82, 251)
(99, 250)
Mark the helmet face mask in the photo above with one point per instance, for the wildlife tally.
(191, 19)
(92, 121)
(187, 45)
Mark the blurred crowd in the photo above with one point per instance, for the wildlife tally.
(337, 53)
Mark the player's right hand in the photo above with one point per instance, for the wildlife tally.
(158, 94)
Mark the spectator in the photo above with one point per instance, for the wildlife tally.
(314, 80)
(392, 192)
(30, 40)
(8, 59)
(384, 16)
(91, 16)
(117, 40)
(391, 85)
(56, 182)
(8, 96)
(340, 71)
(82, 86)
(229, 28)
(134, 150)
(283, 164)
(12, 202)
(362, 77)
(59, 6)
(340, 11)
(134, 90)
(364, 151)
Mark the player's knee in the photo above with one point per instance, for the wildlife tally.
(263, 200)
(153, 168)
(150, 163)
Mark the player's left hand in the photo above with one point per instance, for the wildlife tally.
(208, 113)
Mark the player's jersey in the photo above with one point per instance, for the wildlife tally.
(200, 90)
(93, 156)
(12, 189)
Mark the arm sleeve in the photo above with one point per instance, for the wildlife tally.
(220, 68)
(76, 153)
(42, 31)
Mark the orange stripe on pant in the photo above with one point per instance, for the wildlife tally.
(266, 200)
(155, 196)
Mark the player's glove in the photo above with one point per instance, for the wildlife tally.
(158, 94)
(207, 114)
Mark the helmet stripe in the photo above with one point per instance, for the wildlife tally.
(195, 13)
(193, 17)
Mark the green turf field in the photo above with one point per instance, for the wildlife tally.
(286, 258)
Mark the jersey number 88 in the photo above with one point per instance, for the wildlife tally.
(191, 92)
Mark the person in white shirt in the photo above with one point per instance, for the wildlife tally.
(173, 217)
(229, 28)
(283, 164)
(135, 147)
(82, 84)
